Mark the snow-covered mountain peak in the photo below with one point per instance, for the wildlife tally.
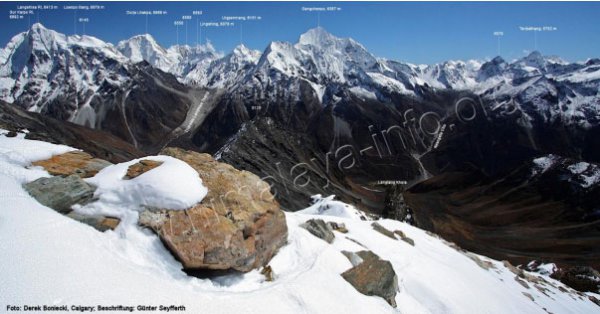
(41, 38)
(280, 56)
(140, 39)
(41, 66)
(535, 59)
(243, 52)
(317, 36)
(214, 70)
(39, 49)
(241, 49)
(140, 47)
(177, 60)
(492, 68)
(319, 40)
(145, 48)
(39, 31)
(497, 60)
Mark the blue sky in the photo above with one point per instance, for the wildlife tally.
(414, 32)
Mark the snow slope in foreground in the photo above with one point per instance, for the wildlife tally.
(49, 259)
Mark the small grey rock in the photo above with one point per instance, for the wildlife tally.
(373, 276)
(404, 238)
(60, 193)
(319, 229)
(99, 223)
(381, 229)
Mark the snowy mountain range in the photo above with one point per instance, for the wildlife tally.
(322, 107)
(178, 60)
(41, 66)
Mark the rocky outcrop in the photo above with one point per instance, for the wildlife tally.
(580, 278)
(238, 226)
(60, 193)
(319, 229)
(77, 163)
(395, 206)
(372, 276)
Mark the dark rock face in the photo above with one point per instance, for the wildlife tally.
(532, 213)
(372, 276)
(145, 111)
(60, 193)
(580, 278)
(395, 206)
(319, 229)
(99, 144)
(471, 204)
(303, 148)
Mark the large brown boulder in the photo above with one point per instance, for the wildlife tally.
(237, 226)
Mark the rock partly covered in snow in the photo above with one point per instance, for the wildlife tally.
(581, 174)
(67, 188)
(60, 193)
(372, 276)
(141, 167)
(319, 229)
(237, 226)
